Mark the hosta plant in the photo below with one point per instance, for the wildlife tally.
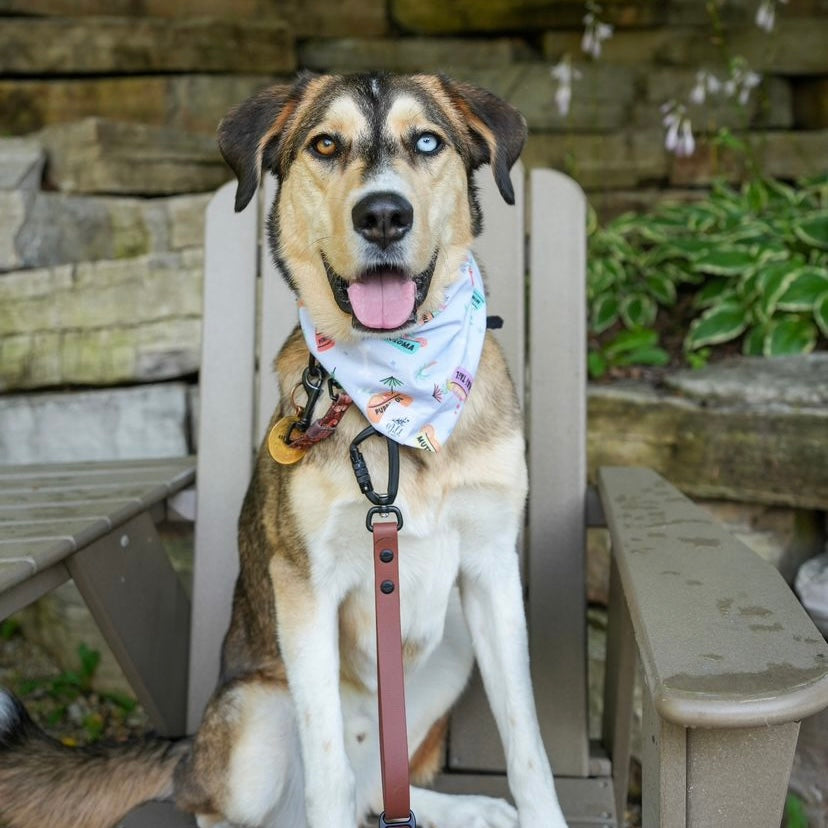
(754, 260)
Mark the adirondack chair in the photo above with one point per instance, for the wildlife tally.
(723, 695)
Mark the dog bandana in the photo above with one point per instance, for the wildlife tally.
(413, 387)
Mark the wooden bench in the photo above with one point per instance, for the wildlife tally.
(95, 523)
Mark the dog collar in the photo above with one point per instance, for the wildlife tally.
(412, 388)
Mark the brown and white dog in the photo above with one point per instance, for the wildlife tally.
(375, 175)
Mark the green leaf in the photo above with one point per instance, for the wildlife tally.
(813, 230)
(713, 291)
(599, 277)
(754, 340)
(718, 324)
(604, 312)
(821, 313)
(725, 261)
(89, 660)
(629, 341)
(778, 191)
(756, 195)
(661, 288)
(804, 290)
(772, 282)
(638, 310)
(650, 355)
(9, 627)
(791, 335)
(795, 814)
(596, 364)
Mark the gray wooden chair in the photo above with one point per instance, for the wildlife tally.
(730, 661)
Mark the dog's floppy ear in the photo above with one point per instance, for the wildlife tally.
(498, 130)
(253, 127)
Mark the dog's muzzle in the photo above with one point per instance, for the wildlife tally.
(381, 298)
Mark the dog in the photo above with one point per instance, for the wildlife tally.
(372, 226)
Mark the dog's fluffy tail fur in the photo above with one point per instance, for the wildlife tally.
(44, 783)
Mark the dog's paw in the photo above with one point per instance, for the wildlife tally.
(469, 812)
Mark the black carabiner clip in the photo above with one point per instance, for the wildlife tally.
(363, 476)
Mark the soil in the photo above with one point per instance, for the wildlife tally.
(74, 716)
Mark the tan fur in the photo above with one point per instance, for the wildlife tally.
(86, 789)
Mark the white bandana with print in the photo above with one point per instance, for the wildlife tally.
(412, 388)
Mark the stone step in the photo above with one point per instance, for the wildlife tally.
(195, 103)
(310, 18)
(111, 424)
(408, 54)
(46, 228)
(113, 45)
(795, 47)
(631, 158)
(778, 154)
(617, 160)
(708, 433)
(604, 106)
(102, 323)
(233, 9)
(100, 156)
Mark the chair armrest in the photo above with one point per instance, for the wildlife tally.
(722, 639)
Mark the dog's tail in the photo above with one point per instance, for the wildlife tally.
(44, 783)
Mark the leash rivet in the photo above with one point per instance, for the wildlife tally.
(387, 587)
(386, 556)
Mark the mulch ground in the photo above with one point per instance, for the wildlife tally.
(75, 716)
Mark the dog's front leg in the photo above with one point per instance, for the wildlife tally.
(492, 600)
(307, 624)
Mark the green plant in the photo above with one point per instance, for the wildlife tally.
(9, 627)
(795, 814)
(69, 685)
(754, 260)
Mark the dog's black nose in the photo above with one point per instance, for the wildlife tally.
(382, 218)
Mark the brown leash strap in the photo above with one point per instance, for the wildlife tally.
(390, 682)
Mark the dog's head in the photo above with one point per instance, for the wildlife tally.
(376, 207)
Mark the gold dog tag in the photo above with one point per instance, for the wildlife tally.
(279, 450)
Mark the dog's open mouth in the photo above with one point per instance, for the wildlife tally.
(383, 298)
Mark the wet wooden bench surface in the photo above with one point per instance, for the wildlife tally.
(49, 512)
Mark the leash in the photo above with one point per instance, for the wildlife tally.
(396, 792)
(288, 441)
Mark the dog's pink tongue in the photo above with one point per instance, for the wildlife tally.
(383, 301)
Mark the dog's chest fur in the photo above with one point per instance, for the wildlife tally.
(453, 504)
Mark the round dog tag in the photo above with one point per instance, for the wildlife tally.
(279, 450)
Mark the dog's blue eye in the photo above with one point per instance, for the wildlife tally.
(428, 143)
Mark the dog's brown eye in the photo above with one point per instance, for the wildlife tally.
(325, 146)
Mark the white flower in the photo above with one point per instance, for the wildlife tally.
(686, 142)
(742, 81)
(766, 15)
(564, 73)
(706, 84)
(595, 33)
(678, 138)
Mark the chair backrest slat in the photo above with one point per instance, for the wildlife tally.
(225, 428)
(500, 248)
(557, 466)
